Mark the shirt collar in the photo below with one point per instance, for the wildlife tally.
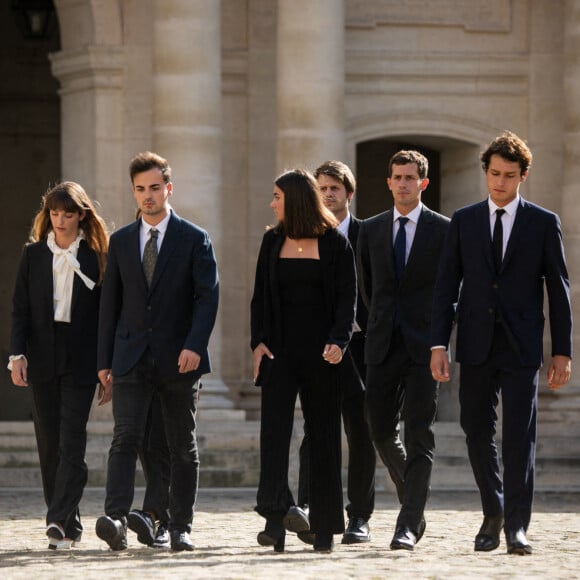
(413, 215)
(510, 208)
(344, 225)
(161, 227)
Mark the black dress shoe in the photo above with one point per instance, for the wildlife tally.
(113, 531)
(404, 539)
(487, 538)
(180, 541)
(323, 542)
(273, 535)
(357, 531)
(143, 525)
(297, 519)
(517, 542)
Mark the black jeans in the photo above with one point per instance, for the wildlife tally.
(132, 396)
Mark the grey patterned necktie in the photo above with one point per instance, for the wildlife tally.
(150, 255)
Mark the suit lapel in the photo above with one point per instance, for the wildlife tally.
(420, 242)
(170, 241)
(483, 223)
(46, 274)
(386, 241)
(520, 221)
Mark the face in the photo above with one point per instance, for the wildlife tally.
(152, 194)
(503, 179)
(406, 186)
(277, 204)
(65, 224)
(334, 195)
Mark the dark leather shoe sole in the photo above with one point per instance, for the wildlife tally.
(136, 523)
(107, 530)
(307, 537)
(355, 538)
(398, 545)
(520, 550)
(182, 547)
(296, 522)
(265, 539)
(485, 543)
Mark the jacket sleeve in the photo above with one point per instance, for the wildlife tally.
(344, 284)
(20, 308)
(258, 305)
(363, 266)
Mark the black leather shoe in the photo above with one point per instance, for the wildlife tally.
(404, 539)
(357, 531)
(517, 542)
(487, 538)
(297, 519)
(323, 542)
(307, 537)
(273, 535)
(180, 541)
(113, 531)
(143, 525)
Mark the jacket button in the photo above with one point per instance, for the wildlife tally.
(495, 285)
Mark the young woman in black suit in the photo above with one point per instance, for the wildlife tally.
(302, 317)
(54, 345)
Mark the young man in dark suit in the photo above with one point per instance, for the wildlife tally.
(397, 257)
(158, 308)
(337, 185)
(499, 255)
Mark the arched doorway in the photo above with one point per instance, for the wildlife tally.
(30, 153)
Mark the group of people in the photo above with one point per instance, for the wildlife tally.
(353, 317)
(378, 358)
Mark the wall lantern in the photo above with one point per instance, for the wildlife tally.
(34, 18)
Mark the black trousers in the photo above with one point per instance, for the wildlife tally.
(479, 389)
(61, 411)
(401, 388)
(361, 452)
(132, 396)
(316, 382)
(154, 457)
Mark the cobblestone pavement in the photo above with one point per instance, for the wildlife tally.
(225, 529)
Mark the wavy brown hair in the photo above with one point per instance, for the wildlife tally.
(70, 197)
(509, 146)
(305, 216)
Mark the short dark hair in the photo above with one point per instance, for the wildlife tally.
(305, 216)
(406, 156)
(148, 160)
(509, 146)
(339, 171)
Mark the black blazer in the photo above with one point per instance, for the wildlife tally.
(178, 311)
(361, 309)
(534, 256)
(33, 315)
(411, 299)
(337, 261)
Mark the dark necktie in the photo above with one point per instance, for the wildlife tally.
(150, 255)
(497, 240)
(400, 248)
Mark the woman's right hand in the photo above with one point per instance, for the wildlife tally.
(19, 372)
(259, 352)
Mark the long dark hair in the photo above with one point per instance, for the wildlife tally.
(305, 216)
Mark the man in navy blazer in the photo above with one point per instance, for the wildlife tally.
(155, 322)
(397, 257)
(498, 257)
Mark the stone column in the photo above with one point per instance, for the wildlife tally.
(187, 129)
(568, 400)
(91, 80)
(310, 66)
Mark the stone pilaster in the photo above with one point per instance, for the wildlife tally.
(310, 65)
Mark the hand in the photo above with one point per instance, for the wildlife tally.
(105, 394)
(188, 361)
(332, 353)
(559, 371)
(258, 353)
(19, 372)
(439, 365)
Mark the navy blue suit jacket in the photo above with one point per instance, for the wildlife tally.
(410, 300)
(534, 257)
(33, 315)
(177, 312)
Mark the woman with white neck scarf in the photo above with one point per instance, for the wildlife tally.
(54, 345)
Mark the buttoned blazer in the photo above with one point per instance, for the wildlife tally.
(32, 332)
(338, 271)
(534, 258)
(410, 299)
(176, 312)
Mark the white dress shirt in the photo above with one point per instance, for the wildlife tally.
(507, 219)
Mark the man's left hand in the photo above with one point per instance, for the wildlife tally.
(559, 371)
(188, 361)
